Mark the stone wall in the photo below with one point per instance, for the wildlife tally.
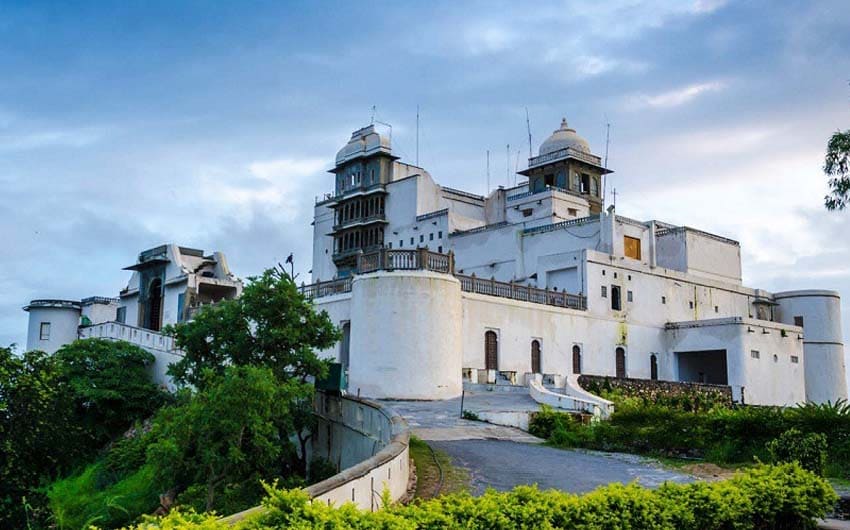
(653, 390)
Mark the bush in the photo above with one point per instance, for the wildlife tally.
(808, 450)
(765, 497)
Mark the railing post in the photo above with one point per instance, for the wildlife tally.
(383, 262)
(422, 257)
(451, 263)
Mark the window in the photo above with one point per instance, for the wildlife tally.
(691, 304)
(421, 238)
(390, 245)
(527, 212)
(572, 212)
(491, 350)
(629, 296)
(775, 358)
(440, 234)
(653, 367)
(121, 315)
(585, 183)
(755, 354)
(798, 321)
(615, 275)
(604, 292)
(716, 309)
(630, 277)
(631, 247)
(603, 272)
(663, 299)
(431, 236)
(795, 359)
(400, 243)
(44, 331)
(576, 359)
(616, 302)
(440, 249)
(411, 241)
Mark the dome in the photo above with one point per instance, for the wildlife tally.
(363, 141)
(562, 138)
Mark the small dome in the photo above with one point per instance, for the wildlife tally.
(562, 138)
(363, 141)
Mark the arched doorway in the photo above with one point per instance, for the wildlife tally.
(576, 359)
(155, 305)
(653, 367)
(491, 350)
(621, 362)
(535, 357)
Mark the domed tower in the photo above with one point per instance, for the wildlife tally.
(818, 312)
(565, 161)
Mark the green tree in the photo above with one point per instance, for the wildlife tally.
(229, 435)
(40, 437)
(837, 167)
(272, 324)
(111, 385)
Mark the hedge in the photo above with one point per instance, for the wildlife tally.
(763, 497)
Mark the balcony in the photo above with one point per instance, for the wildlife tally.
(568, 152)
(520, 194)
(332, 198)
(361, 221)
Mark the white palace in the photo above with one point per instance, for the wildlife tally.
(434, 287)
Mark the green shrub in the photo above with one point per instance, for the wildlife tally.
(809, 450)
(765, 497)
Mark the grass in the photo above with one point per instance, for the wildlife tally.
(455, 479)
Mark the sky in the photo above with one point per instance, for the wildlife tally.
(213, 124)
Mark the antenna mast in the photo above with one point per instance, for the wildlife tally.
(417, 135)
(517, 166)
(528, 126)
(605, 164)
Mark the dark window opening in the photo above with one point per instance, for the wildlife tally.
(616, 303)
(653, 367)
(576, 359)
(621, 363)
(535, 357)
(798, 321)
(491, 350)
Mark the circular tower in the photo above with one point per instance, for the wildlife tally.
(52, 324)
(407, 343)
(819, 313)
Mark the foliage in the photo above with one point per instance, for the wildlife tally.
(837, 166)
(271, 324)
(720, 435)
(39, 436)
(808, 450)
(470, 415)
(684, 397)
(110, 384)
(765, 497)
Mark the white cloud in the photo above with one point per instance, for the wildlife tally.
(82, 137)
(487, 39)
(676, 97)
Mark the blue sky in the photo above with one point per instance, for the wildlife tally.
(212, 124)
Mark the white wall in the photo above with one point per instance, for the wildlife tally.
(64, 322)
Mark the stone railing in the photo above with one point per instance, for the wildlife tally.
(529, 193)
(524, 293)
(653, 389)
(423, 259)
(564, 153)
(597, 407)
(139, 336)
(369, 444)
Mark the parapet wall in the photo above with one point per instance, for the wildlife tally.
(369, 444)
(650, 389)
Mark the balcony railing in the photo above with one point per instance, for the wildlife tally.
(354, 190)
(523, 195)
(423, 259)
(375, 218)
(564, 153)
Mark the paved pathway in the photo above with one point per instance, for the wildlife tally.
(504, 457)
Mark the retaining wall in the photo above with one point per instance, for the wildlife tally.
(649, 388)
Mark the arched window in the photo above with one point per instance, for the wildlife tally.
(535, 357)
(154, 305)
(491, 350)
(621, 362)
(653, 367)
(576, 359)
(594, 187)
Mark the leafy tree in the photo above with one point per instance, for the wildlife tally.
(272, 324)
(232, 433)
(837, 167)
(111, 385)
(40, 437)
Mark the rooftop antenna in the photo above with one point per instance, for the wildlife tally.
(508, 166)
(417, 135)
(528, 126)
(488, 173)
(605, 163)
(517, 166)
(374, 109)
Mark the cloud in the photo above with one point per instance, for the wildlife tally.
(676, 97)
(485, 39)
(81, 137)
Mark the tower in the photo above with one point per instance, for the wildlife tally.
(565, 162)
(52, 324)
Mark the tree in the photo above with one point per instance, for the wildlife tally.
(111, 385)
(837, 166)
(232, 433)
(40, 437)
(272, 324)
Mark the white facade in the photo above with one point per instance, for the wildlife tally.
(660, 300)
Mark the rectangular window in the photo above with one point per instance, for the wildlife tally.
(421, 238)
(755, 354)
(629, 296)
(616, 302)
(716, 309)
(527, 212)
(795, 359)
(691, 304)
(440, 234)
(798, 321)
(390, 245)
(400, 243)
(604, 292)
(572, 212)
(440, 249)
(121, 314)
(44, 331)
(431, 236)
(411, 241)
(663, 299)
(631, 247)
